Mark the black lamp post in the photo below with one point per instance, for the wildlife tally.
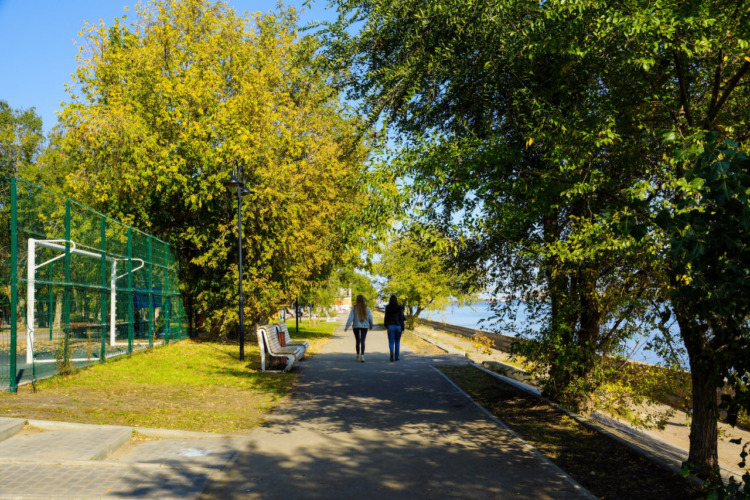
(296, 315)
(235, 182)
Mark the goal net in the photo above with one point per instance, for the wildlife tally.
(77, 287)
(85, 321)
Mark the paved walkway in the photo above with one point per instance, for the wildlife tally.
(380, 429)
(60, 460)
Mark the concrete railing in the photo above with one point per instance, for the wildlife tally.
(499, 341)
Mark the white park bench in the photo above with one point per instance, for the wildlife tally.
(269, 342)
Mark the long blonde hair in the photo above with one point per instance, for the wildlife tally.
(360, 308)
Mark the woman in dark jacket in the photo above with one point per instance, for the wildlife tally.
(394, 324)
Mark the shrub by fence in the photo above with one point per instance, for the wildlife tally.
(77, 286)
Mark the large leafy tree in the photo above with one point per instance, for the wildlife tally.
(684, 72)
(451, 80)
(554, 132)
(708, 233)
(164, 106)
(21, 144)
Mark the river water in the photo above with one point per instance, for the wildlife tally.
(479, 315)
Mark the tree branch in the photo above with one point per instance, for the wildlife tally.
(544, 174)
(608, 336)
(684, 98)
(727, 91)
(717, 83)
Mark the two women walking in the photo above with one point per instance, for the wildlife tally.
(361, 319)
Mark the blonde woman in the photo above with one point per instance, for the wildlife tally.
(360, 318)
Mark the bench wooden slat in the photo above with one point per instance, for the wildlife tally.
(289, 341)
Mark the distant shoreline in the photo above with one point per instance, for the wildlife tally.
(469, 316)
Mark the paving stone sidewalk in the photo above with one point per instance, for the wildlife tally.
(61, 460)
(384, 429)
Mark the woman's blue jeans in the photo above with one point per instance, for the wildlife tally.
(394, 339)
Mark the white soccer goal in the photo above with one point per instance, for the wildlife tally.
(31, 269)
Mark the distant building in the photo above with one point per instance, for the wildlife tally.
(344, 299)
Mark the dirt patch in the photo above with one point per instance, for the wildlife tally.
(218, 409)
(419, 345)
(137, 437)
(605, 467)
(30, 430)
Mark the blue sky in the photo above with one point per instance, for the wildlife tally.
(38, 44)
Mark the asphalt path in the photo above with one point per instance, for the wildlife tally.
(385, 429)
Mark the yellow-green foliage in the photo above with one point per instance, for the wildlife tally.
(482, 343)
(164, 104)
(637, 385)
(415, 269)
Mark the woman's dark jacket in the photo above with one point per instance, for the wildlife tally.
(394, 316)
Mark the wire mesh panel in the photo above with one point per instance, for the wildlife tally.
(41, 269)
(77, 287)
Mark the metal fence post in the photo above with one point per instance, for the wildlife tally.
(179, 301)
(150, 319)
(103, 292)
(50, 300)
(166, 296)
(13, 377)
(130, 295)
(66, 304)
(179, 317)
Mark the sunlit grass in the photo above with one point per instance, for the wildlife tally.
(188, 385)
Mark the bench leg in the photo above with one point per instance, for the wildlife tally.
(290, 363)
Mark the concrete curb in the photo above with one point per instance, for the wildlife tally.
(448, 349)
(112, 443)
(10, 427)
(146, 431)
(584, 492)
(103, 464)
(177, 434)
(516, 383)
(515, 372)
(523, 374)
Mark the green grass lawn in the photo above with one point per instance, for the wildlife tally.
(189, 385)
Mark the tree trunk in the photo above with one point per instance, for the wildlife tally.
(559, 376)
(59, 297)
(588, 336)
(703, 458)
(703, 428)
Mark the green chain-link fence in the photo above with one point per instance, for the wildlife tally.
(77, 286)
